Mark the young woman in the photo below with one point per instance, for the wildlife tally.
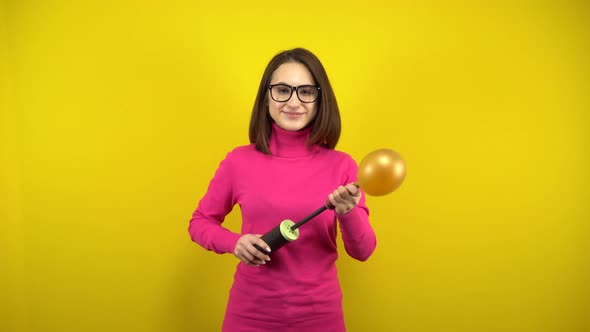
(290, 168)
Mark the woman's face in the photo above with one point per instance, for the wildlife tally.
(292, 114)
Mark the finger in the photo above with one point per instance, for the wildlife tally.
(346, 192)
(342, 195)
(242, 254)
(260, 242)
(262, 248)
(253, 250)
(257, 260)
(260, 245)
(259, 248)
(259, 255)
(353, 190)
(332, 199)
(250, 259)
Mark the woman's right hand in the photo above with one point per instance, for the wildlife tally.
(247, 253)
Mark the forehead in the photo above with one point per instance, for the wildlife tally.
(292, 73)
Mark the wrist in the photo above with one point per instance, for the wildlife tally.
(344, 212)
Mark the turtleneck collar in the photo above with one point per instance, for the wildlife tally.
(290, 144)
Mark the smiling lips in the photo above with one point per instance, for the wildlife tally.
(293, 114)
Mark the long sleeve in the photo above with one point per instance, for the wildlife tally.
(358, 235)
(205, 226)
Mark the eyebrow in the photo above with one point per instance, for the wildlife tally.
(293, 85)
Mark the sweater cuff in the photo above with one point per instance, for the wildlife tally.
(352, 222)
(229, 242)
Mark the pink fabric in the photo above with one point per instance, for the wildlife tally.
(299, 288)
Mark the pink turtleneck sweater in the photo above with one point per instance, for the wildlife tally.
(299, 287)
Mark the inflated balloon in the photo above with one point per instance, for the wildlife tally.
(381, 172)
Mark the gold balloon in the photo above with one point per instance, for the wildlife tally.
(381, 172)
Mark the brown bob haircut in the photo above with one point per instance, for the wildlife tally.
(325, 127)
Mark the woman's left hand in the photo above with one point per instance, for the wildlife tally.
(345, 198)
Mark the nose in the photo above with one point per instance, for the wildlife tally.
(294, 100)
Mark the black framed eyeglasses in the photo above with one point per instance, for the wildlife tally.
(282, 92)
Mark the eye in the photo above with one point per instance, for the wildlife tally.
(283, 90)
(307, 91)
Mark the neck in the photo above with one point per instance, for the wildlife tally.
(290, 144)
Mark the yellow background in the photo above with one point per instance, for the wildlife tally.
(114, 116)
